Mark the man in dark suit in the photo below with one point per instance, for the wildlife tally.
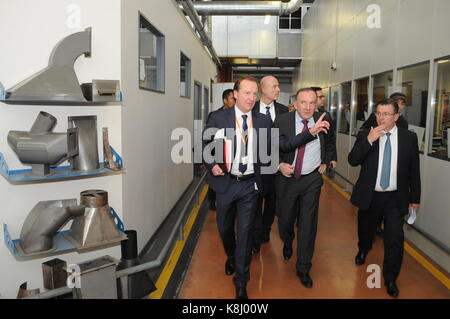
(228, 101)
(265, 215)
(400, 99)
(304, 145)
(388, 185)
(238, 190)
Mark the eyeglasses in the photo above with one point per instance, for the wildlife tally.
(385, 114)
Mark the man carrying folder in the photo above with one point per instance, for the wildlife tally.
(241, 185)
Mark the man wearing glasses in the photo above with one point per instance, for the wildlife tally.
(388, 185)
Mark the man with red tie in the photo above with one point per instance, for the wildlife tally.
(304, 146)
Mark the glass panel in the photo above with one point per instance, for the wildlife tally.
(151, 51)
(344, 122)
(334, 103)
(185, 71)
(296, 24)
(284, 23)
(382, 86)
(362, 104)
(413, 82)
(439, 147)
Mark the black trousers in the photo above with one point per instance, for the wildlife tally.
(384, 205)
(265, 215)
(300, 200)
(236, 209)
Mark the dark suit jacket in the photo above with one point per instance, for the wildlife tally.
(289, 141)
(279, 108)
(223, 119)
(408, 170)
(372, 122)
(268, 179)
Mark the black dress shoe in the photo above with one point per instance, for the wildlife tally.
(287, 251)
(392, 289)
(229, 267)
(360, 258)
(305, 279)
(241, 293)
(212, 206)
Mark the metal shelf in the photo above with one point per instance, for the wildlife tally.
(61, 243)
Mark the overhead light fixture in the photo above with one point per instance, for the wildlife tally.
(443, 61)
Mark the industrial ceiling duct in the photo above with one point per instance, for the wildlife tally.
(246, 8)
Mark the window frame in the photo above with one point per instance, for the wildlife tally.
(188, 70)
(160, 51)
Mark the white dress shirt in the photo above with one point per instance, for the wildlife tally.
(394, 159)
(312, 158)
(263, 110)
(235, 166)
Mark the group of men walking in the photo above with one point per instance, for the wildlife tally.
(249, 194)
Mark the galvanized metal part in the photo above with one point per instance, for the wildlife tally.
(41, 148)
(247, 8)
(54, 274)
(58, 81)
(44, 220)
(96, 227)
(97, 279)
(87, 158)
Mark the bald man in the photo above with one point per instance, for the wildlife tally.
(265, 215)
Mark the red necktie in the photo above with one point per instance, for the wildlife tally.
(300, 155)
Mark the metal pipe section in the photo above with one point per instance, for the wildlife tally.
(190, 11)
(246, 8)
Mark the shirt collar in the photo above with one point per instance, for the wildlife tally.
(299, 119)
(263, 105)
(239, 113)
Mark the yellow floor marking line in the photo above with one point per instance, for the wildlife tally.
(439, 275)
(171, 263)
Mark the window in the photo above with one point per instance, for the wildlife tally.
(413, 82)
(185, 76)
(151, 56)
(294, 20)
(334, 104)
(441, 128)
(382, 86)
(344, 120)
(361, 104)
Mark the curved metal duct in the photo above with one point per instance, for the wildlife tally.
(246, 8)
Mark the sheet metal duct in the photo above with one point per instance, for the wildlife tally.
(87, 157)
(44, 220)
(41, 148)
(246, 8)
(58, 81)
(97, 226)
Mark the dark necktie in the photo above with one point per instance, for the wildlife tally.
(267, 110)
(243, 167)
(386, 166)
(300, 155)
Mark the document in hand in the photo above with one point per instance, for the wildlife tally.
(225, 144)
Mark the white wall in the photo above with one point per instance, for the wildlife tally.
(153, 183)
(31, 29)
(412, 31)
